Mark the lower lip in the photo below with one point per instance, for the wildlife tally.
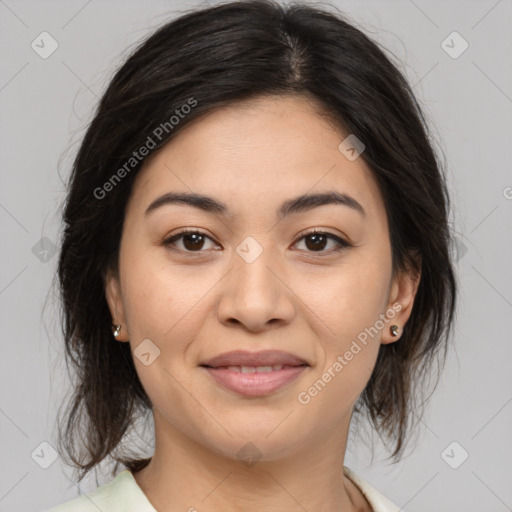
(255, 384)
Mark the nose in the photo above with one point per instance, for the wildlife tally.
(256, 294)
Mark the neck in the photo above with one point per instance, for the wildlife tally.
(186, 475)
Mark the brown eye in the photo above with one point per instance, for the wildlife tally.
(316, 241)
(192, 241)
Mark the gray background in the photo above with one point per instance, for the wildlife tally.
(45, 105)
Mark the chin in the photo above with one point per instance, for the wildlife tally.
(252, 444)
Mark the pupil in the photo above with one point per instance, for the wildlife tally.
(318, 238)
(196, 241)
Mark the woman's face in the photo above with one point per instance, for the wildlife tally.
(256, 278)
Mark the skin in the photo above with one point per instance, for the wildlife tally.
(194, 305)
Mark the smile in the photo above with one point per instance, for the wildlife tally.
(255, 380)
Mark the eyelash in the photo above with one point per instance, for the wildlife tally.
(342, 244)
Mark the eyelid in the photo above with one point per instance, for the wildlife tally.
(186, 231)
(322, 231)
(342, 242)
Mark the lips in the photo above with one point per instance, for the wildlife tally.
(255, 384)
(265, 358)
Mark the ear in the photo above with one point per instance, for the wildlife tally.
(401, 300)
(115, 304)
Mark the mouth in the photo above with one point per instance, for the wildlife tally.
(255, 374)
(263, 360)
(254, 369)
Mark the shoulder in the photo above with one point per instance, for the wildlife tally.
(119, 495)
(377, 500)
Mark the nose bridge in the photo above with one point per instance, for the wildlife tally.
(251, 262)
(255, 295)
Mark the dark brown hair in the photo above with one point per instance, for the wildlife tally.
(216, 56)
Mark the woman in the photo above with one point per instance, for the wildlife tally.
(256, 247)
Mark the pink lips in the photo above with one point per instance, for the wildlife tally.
(255, 384)
(226, 371)
(262, 358)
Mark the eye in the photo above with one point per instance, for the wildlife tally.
(316, 241)
(192, 240)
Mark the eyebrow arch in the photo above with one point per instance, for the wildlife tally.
(298, 204)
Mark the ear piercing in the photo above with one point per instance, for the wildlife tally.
(116, 329)
(394, 330)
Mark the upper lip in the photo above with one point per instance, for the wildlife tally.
(262, 358)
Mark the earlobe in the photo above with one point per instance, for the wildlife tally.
(402, 296)
(114, 300)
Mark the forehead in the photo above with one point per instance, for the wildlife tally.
(257, 153)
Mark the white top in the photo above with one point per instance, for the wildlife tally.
(123, 494)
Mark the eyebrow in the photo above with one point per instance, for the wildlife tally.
(298, 204)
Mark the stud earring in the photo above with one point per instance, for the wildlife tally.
(116, 329)
(394, 330)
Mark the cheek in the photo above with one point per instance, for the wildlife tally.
(348, 298)
(349, 304)
(149, 303)
(165, 303)
(162, 302)
(159, 296)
